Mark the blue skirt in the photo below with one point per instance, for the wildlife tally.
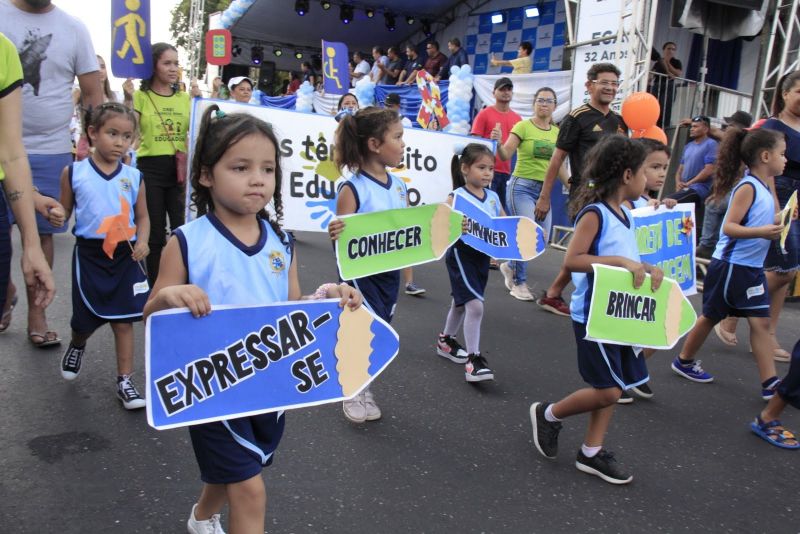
(105, 289)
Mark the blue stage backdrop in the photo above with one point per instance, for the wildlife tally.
(546, 33)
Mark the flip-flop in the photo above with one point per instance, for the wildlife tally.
(729, 338)
(780, 355)
(48, 339)
(5, 319)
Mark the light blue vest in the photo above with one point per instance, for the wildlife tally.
(97, 195)
(230, 272)
(748, 252)
(490, 203)
(615, 238)
(372, 195)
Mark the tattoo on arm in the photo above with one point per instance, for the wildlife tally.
(13, 196)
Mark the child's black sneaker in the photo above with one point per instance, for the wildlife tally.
(643, 391)
(603, 465)
(545, 433)
(625, 398)
(477, 369)
(127, 393)
(448, 347)
(71, 362)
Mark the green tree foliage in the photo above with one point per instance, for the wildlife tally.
(180, 25)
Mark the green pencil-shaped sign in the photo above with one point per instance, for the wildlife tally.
(623, 315)
(383, 241)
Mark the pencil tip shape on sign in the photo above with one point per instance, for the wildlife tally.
(353, 351)
(623, 315)
(530, 238)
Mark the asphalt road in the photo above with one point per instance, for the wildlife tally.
(446, 457)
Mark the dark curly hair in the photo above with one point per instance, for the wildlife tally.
(604, 169)
(216, 135)
(737, 149)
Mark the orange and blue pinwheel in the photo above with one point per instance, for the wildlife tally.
(117, 229)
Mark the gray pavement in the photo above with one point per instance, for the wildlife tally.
(446, 457)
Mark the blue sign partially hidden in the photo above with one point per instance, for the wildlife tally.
(244, 361)
(502, 238)
(335, 68)
(666, 239)
(131, 56)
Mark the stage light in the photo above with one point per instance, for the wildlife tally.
(257, 55)
(531, 12)
(236, 50)
(426, 27)
(325, 5)
(369, 12)
(277, 51)
(410, 20)
(390, 21)
(497, 18)
(298, 54)
(346, 13)
(301, 7)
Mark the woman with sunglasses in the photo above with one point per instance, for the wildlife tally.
(534, 141)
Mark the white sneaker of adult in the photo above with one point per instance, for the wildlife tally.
(521, 292)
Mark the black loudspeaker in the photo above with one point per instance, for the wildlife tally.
(232, 71)
(266, 77)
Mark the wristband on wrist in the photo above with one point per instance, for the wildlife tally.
(322, 291)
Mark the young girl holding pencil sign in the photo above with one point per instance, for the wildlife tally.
(468, 268)
(233, 253)
(368, 142)
(735, 284)
(604, 234)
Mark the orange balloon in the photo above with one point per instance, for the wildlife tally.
(640, 111)
(654, 132)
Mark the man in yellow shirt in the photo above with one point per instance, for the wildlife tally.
(523, 64)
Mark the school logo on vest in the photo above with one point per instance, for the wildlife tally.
(276, 261)
(493, 204)
(401, 192)
(125, 185)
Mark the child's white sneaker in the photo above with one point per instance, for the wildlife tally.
(209, 526)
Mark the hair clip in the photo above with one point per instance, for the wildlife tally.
(591, 184)
(220, 114)
(458, 148)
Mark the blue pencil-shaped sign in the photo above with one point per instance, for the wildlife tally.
(240, 361)
(502, 238)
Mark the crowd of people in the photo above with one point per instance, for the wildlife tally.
(156, 261)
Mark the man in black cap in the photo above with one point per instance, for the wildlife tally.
(500, 114)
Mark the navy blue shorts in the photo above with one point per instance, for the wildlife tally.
(380, 292)
(46, 171)
(237, 449)
(603, 365)
(731, 289)
(789, 388)
(469, 272)
(105, 290)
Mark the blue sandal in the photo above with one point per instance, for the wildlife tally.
(774, 433)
